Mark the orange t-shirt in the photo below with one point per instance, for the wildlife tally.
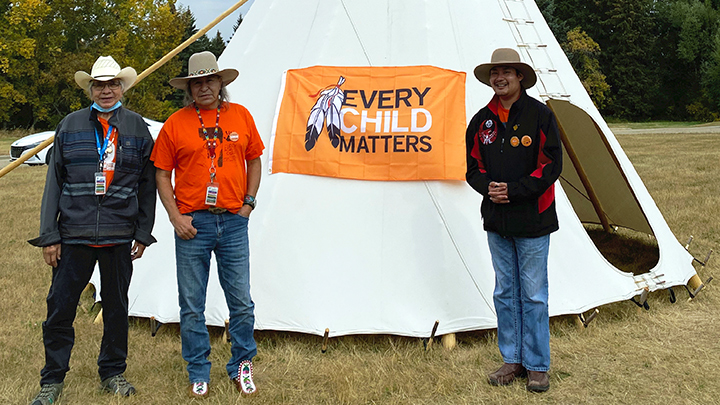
(502, 113)
(109, 166)
(181, 146)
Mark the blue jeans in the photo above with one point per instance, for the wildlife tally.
(227, 235)
(521, 299)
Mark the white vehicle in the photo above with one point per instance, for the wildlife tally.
(23, 145)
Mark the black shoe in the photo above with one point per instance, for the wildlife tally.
(48, 395)
(117, 384)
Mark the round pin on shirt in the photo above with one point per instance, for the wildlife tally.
(526, 140)
(514, 141)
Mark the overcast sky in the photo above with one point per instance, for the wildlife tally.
(207, 10)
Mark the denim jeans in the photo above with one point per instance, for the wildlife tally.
(227, 236)
(521, 299)
(69, 279)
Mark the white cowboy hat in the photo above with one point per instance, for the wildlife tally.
(104, 69)
(204, 64)
(506, 57)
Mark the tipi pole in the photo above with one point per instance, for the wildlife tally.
(27, 155)
(155, 66)
(187, 42)
(584, 179)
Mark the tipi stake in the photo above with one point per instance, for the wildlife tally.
(99, 318)
(694, 293)
(642, 302)
(226, 332)
(154, 326)
(589, 319)
(428, 342)
(325, 340)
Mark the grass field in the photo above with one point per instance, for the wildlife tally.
(668, 354)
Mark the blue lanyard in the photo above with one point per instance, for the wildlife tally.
(106, 142)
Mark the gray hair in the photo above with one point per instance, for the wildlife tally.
(188, 98)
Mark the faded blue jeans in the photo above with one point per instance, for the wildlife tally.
(521, 299)
(227, 236)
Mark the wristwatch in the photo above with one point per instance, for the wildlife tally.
(249, 200)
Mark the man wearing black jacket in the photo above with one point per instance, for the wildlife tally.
(514, 158)
(98, 207)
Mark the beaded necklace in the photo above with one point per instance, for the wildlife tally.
(210, 143)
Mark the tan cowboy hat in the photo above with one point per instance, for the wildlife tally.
(506, 57)
(204, 64)
(105, 68)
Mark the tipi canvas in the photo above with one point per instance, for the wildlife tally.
(392, 257)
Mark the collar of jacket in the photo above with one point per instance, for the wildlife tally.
(493, 104)
(116, 120)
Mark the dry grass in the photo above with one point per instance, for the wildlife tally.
(628, 355)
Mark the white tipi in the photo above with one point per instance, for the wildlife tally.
(394, 257)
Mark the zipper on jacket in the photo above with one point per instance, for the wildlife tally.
(97, 224)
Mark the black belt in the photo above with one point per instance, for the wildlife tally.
(217, 210)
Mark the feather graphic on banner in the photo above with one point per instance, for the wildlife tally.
(325, 111)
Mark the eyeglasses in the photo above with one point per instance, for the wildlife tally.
(112, 85)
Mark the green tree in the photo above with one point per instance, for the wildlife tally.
(686, 41)
(175, 99)
(582, 52)
(625, 33)
(44, 42)
(20, 53)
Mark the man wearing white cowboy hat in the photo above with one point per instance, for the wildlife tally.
(98, 207)
(513, 159)
(214, 148)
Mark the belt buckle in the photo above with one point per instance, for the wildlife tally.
(217, 210)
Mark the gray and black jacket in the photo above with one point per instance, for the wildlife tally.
(71, 212)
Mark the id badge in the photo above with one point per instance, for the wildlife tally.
(211, 194)
(100, 183)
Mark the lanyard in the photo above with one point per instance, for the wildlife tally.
(102, 149)
(210, 143)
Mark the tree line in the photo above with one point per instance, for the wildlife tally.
(44, 42)
(643, 59)
(638, 59)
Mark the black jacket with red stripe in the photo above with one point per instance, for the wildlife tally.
(526, 154)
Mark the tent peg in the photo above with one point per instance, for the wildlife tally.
(589, 319)
(642, 301)
(427, 343)
(325, 340)
(99, 318)
(687, 245)
(154, 326)
(673, 299)
(226, 333)
(704, 262)
(694, 293)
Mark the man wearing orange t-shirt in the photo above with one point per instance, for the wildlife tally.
(214, 149)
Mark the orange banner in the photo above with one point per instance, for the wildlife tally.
(371, 123)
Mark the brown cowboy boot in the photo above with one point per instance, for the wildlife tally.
(506, 374)
(538, 381)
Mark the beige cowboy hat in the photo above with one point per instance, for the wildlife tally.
(105, 68)
(506, 57)
(204, 64)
